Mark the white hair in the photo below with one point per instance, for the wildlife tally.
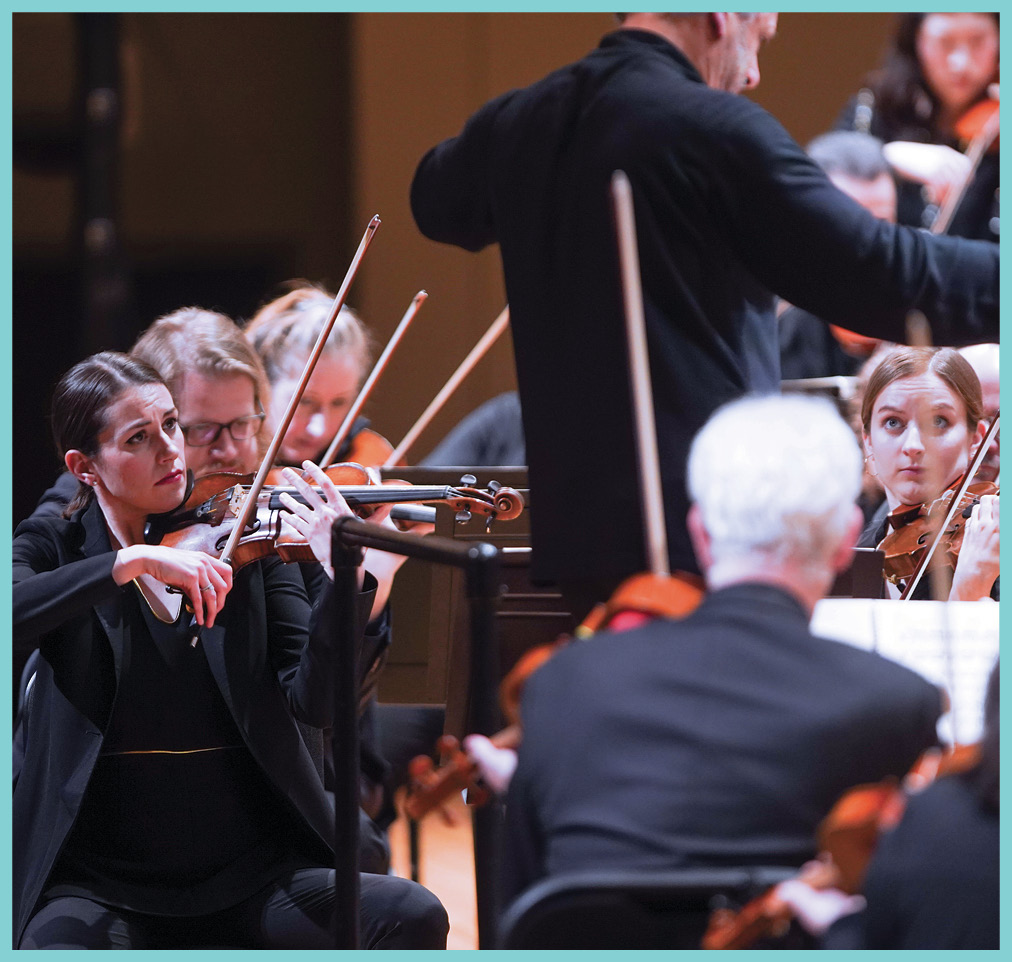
(775, 479)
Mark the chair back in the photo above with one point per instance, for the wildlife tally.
(631, 910)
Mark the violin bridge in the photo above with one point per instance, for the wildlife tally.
(237, 500)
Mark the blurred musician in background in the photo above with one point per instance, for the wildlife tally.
(283, 333)
(493, 433)
(926, 102)
(933, 879)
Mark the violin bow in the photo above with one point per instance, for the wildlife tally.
(477, 353)
(378, 368)
(654, 530)
(964, 483)
(249, 505)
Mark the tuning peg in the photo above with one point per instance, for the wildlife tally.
(468, 479)
(494, 486)
(462, 516)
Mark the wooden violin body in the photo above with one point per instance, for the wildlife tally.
(205, 520)
(980, 124)
(369, 448)
(912, 528)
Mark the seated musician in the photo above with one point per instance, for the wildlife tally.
(166, 797)
(724, 738)
(223, 396)
(933, 879)
(921, 418)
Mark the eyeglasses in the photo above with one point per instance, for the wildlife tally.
(207, 432)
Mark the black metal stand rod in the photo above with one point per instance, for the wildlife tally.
(430, 547)
(481, 564)
(484, 718)
(345, 559)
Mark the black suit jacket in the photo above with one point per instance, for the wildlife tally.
(722, 739)
(270, 668)
(728, 208)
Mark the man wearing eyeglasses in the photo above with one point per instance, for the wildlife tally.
(218, 384)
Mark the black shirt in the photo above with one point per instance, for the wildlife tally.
(177, 819)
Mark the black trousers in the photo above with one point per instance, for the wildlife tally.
(293, 912)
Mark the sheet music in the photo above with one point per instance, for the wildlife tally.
(913, 633)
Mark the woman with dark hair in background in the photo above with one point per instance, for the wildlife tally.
(939, 66)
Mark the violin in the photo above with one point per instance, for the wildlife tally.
(980, 122)
(978, 129)
(430, 785)
(638, 599)
(911, 528)
(369, 448)
(847, 838)
(208, 516)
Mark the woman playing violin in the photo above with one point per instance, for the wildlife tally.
(938, 69)
(153, 809)
(921, 422)
(220, 389)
